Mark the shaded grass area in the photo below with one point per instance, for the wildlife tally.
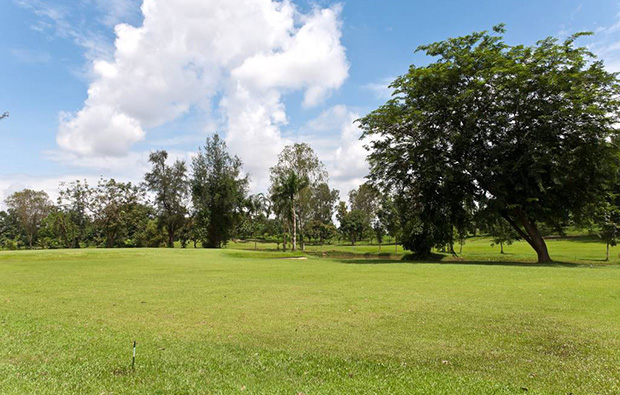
(574, 248)
(234, 321)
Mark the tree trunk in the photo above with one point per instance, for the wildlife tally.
(531, 234)
(109, 240)
(501, 247)
(294, 229)
(301, 234)
(607, 252)
(170, 237)
(255, 245)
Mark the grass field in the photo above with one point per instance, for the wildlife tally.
(236, 321)
(583, 249)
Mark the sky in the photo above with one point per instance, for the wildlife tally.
(94, 86)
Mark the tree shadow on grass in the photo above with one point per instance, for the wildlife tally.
(590, 239)
(440, 259)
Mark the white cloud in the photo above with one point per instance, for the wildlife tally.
(345, 158)
(65, 22)
(115, 133)
(381, 89)
(10, 183)
(191, 53)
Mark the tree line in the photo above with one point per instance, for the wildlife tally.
(206, 204)
(515, 141)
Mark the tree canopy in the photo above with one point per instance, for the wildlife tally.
(170, 185)
(218, 192)
(527, 132)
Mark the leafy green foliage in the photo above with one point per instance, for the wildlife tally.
(117, 212)
(218, 193)
(353, 224)
(30, 209)
(301, 160)
(170, 185)
(525, 131)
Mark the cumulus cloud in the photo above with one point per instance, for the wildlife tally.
(237, 57)
(10, 183)
(345, 157)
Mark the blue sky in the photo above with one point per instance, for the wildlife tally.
(303, 77)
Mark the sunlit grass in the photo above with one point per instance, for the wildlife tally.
(234, 321)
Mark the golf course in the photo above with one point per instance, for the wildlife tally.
(309, 197)
(241, 321)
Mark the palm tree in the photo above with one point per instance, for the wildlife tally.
(285, 197)
(258, 207)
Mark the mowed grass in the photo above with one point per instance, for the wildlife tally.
(576, 249)
(232, 321)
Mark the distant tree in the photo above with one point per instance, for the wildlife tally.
(30, 208)
(300, 159)
(366, 199)
(321, 231)
(58, 230)
(379, 231)
(388, 217)
(352, 223)
(610, 230)
(608, 218)
(9, 231)
(285, 192)
(113, 206)
(501, 232)
(218, 192)
(170, 185)
(323, 203)
(527, 131)
(257, 208)
(74, 222)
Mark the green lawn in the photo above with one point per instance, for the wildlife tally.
(234, 321)
(584, 249)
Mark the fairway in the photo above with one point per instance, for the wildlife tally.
(230, 321)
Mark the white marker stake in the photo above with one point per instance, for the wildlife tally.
(133, 361)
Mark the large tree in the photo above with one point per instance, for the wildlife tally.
(525, 131)
(218, 192)
(30, 208)
(170, 185)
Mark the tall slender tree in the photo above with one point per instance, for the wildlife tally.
(170, 185)
(218, 192)
(300, 159)
(285, 192)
